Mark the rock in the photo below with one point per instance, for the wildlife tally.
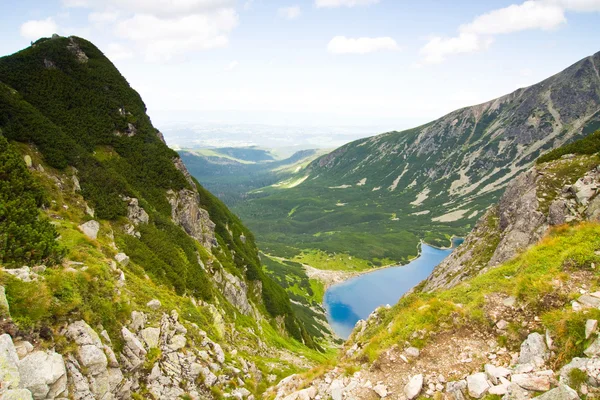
(154, 304)
(17, 394)
(134, 353)
(534, 350)
(136, 214)
(502, 325)
(562, 392)
(456, 389)
(594, 349)
(412, 352)
(4, 307)
(516, 392)
(591, 325)
(138, 319)
(122, 259)
(558, 211)
(413, 387)
(498, 390)
(23, 274)
(23, 348)
(82, 334)
(532, 382)
(381, 390)
(44, 375)
(477, 385)
(9, 364)
(76, 184)
(235, 290)
(178, 342)
(589, 301)
(336, 389)
(90, 229)
(495, 373)
(28, 161)
(150, 336)
(187, 213)
(209, 378)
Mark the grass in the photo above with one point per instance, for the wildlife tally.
(336, 261)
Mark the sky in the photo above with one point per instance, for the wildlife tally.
(383, 63)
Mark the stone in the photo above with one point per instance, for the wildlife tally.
(9, 364)
(24, 274)
(136, 214)
(90, 229)
(23, 348)
(138, 319)
(498, 390)
(532, 382)
(495, 373)
(477, 385)
(336, 389)
(594, 349)
(28, 161)
(178, 342)
(589, 301)
(562, 392)
(82, 334)
(154, 304)
(44, 375)
(187, 213)
(516, 392)
(591, 325)
(456, 389)
(122, 259)
(413, 387)
(209, 378)
(412, 352)
(92, 358)
(4, 307)
(150, 336)
(510, 301)
(134, 353)
(381, 390)
(502, 325)
(534, 350)
(17, 394)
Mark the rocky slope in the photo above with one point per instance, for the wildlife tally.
(512, 314)
(120, 275)
(431, 181)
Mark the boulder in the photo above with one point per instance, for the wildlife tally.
(381, 390)
(9, 364)
(44, 375)
(138, 319)
(562, 392)
(412, 352)
(534, 350)
(516, 392)
(23, 348)
(4, 308)
(154, 304)
(93, 359)
(82, 334)
(150, 336)
(17, 394)
(28, 161)
(413, 387)
(177, 342)
(495, 373)
(591, 325)
(134, 353)
(538, 383)
(122, 259)
(477, 385)
(136, 214)
(594, 349)
(456, 389)
(589, 301)
(90, 229)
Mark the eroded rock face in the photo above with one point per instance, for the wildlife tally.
(187, 213)
(235, 290)
(9, 364)
(90, 229)
(44, 375)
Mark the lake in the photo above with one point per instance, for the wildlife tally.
(356, 298)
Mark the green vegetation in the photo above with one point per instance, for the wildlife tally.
(25, 236)
(564, 254)
(588, 145)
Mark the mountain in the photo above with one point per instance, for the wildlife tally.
(231, 173)
(121, 276)
(511, 314)
(376, 198)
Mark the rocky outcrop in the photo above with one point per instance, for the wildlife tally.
(90, 229)
(187, 213)
(4, 307)
(235, 290)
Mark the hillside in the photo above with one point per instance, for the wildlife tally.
(231, 173)
(511, 314)
(376, 198)
(121, 276)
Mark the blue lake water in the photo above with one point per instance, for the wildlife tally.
(356, 298)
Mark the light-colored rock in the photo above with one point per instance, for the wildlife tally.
(9, 364)
(82, 334)
(562, 392)
(457, 389)
(92, 358)
(138, 319)
(187, 213)
(133, 351)
(17, 394)
(90, 229)
(336, 389)
(591, 325)
(150, 337)
(477, 385)
(28, 161)
(381, 390)
(495, 373)
(177, 342)
(516, 392)
(44, 375)
(534, 350)
(532, 382)
(122, 259)
(499, 390)
(4, 307)
(502, 325)
(154, 304)
(23, 348)
(235, 290)
(414, 387)
(594, 349)
(24, 273)
(412, 352)
(589, 301)
(136, 214)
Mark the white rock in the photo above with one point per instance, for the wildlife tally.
(495, 373)
(532, 382)
(44, 375)
(381, 390)
(477, 385)
(154, 304)
(138, 319)
(23, 348)
(412, 352)
(594, 349)
(502, 325)
(4, 307)
(413, 387)
(178, 342)
(150, 336)
(562, 392)
(9, 363)
(499, 390)
(122, 259)
(591, 325)
(534, 350)
(90, 229)
(92, 358)
(17, 394)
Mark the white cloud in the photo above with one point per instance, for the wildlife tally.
(232, 65)
(515, 18)
(289, 12)
(155, 7)
(364, 45)
(478, 34)
(116, 51)
(36, 29)
(343, 3)
(103, 17)
(162, 39)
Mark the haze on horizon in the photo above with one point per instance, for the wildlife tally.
(320, 72)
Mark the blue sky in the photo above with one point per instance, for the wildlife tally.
(317, 62)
